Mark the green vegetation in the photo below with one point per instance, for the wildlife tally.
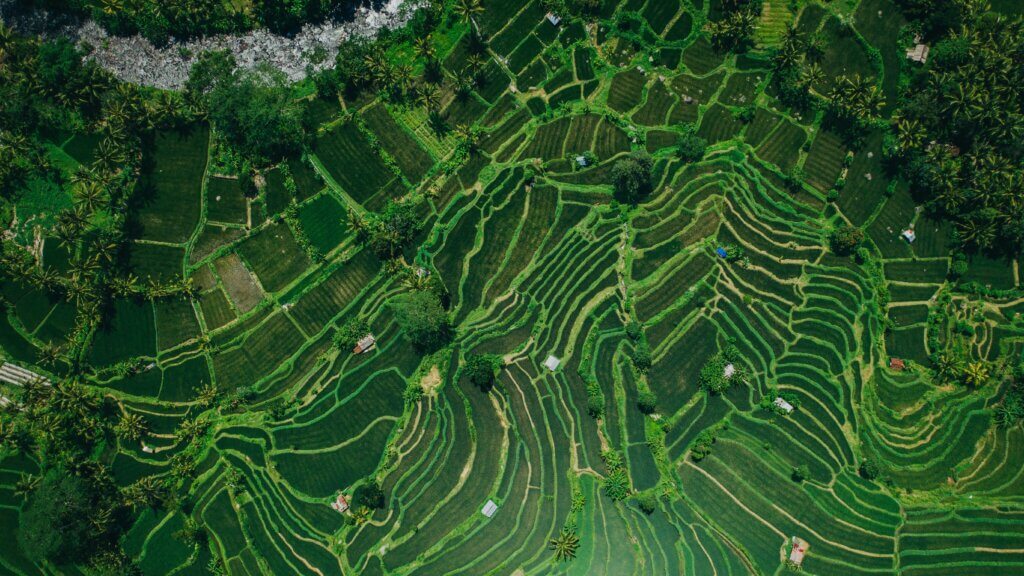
(657, 288)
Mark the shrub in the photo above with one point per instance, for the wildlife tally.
(647, 402)
(647, 502)
(869, 469)
(701, 446)
(642, 357)
(369, 495)
(349, 333)
(690, 147)
(423, 320)
(845, 239)
(631, 177)
(800, 473)
(481, 370)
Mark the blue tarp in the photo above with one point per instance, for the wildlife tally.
(721, 252)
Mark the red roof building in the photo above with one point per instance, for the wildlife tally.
(897, 364)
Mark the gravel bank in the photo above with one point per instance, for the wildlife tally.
(135, 59)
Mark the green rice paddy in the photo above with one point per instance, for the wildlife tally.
(555, 267)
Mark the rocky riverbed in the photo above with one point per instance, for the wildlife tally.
(135, 59)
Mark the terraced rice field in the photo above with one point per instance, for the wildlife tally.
(550, 266)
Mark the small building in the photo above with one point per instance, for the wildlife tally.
(781, 404)
(797, 551)
(489, 509)
(365, 343)
(729, 372)
(919, 53)
(422, 272)
(722, 252)
(581, 161)
(908, 235)
(897, 364)
(553, 18)
(552, 363)
(340, 504)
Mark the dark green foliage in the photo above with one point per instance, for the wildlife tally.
(701, 446)
(390, 230)
(55, 524)
(423, 319)
(957, 118)
(800, 473)
(845, 239)
(349, 333)
(647, 501)
(616, 484)
(481, 369)
(253, 110)
(721, 371)
(369, 495)
(647, 402)
(631, 177)
(690, 147)
(642, 356)
(869, 469)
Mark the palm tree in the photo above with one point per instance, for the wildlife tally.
(812, 74)
(468, 10)
(948, 367)
(25, 484)
(565, 545)
(976, 374)
(423, 46)
(131, 427)
(146, 491)
(356, 222)
(361, 515)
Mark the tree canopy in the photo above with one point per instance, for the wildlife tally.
(631, 177)
(422, 318)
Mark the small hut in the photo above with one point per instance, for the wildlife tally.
(552, 363)
(553, 18)
(798, 550)
(365, 343)
(781, 404)
(340, 504)
(909, 235)
(897, 364)
(489, 509)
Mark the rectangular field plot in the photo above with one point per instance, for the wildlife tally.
(157, 262)
(225, 201)
(323, 221)
(351, 161)
(167, 199)
(130, 332)
(412, 159)
(274, 256)
(238, 283)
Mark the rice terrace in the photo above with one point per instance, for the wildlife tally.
(523, 287)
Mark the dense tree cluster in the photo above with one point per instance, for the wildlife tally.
(422, 318)
(958, 134)
(631, 177)
(253, 110)
(160, 20)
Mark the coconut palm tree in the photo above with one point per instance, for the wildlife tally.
(976, 374)
(25, 484)
(423, 46)
(948, 367)
(468, 10)
(565, 545)
(131, 427)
